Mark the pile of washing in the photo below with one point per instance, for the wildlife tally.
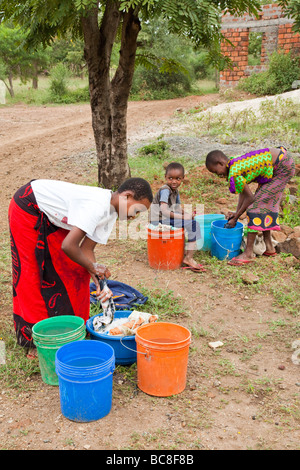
(162, 227)
(126, 326)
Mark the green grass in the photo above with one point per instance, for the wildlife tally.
(17, 372)
(149, 161)
(24, 93)
(206, 87)
(277, 121)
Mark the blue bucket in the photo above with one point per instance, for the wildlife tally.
(205, 222)
(85, 378)
(226, 242)
(123, 346)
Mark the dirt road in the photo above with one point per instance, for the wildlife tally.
(32, 137)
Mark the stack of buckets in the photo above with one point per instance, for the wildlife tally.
(49, 335)
(82, 369)
(166, 249)
(222, 243)
(85, 369)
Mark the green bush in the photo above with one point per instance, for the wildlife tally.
(153, 84)
(59, 82)
(81, 95)
(282, 71)
(157, 149)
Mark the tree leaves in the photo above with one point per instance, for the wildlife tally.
(292, 9)
(136, 4)
(162, 64)
(198, 20)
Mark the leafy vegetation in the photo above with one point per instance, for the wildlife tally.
(282, 71)
(166, 65)
(275, 119)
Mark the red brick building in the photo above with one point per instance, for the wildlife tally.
(276, 32)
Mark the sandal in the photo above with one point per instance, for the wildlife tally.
(32, 354)
(197, 269)
(239, 262)
(269, 253)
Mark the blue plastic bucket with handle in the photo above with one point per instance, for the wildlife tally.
(85, 375)
(123, 346)
(205, 222)
(226, 242)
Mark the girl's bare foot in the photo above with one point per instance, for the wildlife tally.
(190, 262)
(245, 257)
(32, 353)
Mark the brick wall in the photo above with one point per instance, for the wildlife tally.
(277, 35)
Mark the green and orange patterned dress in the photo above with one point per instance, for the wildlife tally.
(258, 167)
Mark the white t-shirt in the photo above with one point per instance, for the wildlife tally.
(86, 207)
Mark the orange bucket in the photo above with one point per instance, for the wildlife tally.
(162, 358)
(165, 249)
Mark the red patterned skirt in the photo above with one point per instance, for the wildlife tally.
(263, 213)
(46, 282)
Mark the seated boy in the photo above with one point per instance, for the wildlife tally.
(166, 209)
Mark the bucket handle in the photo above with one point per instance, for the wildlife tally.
(223, 248)
(138, 352)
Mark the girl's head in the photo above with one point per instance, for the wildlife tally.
(132, 197)
(216, 162)
(174, 175)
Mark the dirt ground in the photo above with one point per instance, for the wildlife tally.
(230, 402)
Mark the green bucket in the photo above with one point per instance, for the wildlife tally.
(49, 335)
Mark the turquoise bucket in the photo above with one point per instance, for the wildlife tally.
(226, 242)
(205, 222)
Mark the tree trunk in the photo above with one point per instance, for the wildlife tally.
(109, 99)
(121, 86)
(97, 51)
(35, 78)
(11, 86)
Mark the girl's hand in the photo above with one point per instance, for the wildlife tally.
(187, 216)
(104, 295)
(99, 272)
(232, 222)
(230, 214)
